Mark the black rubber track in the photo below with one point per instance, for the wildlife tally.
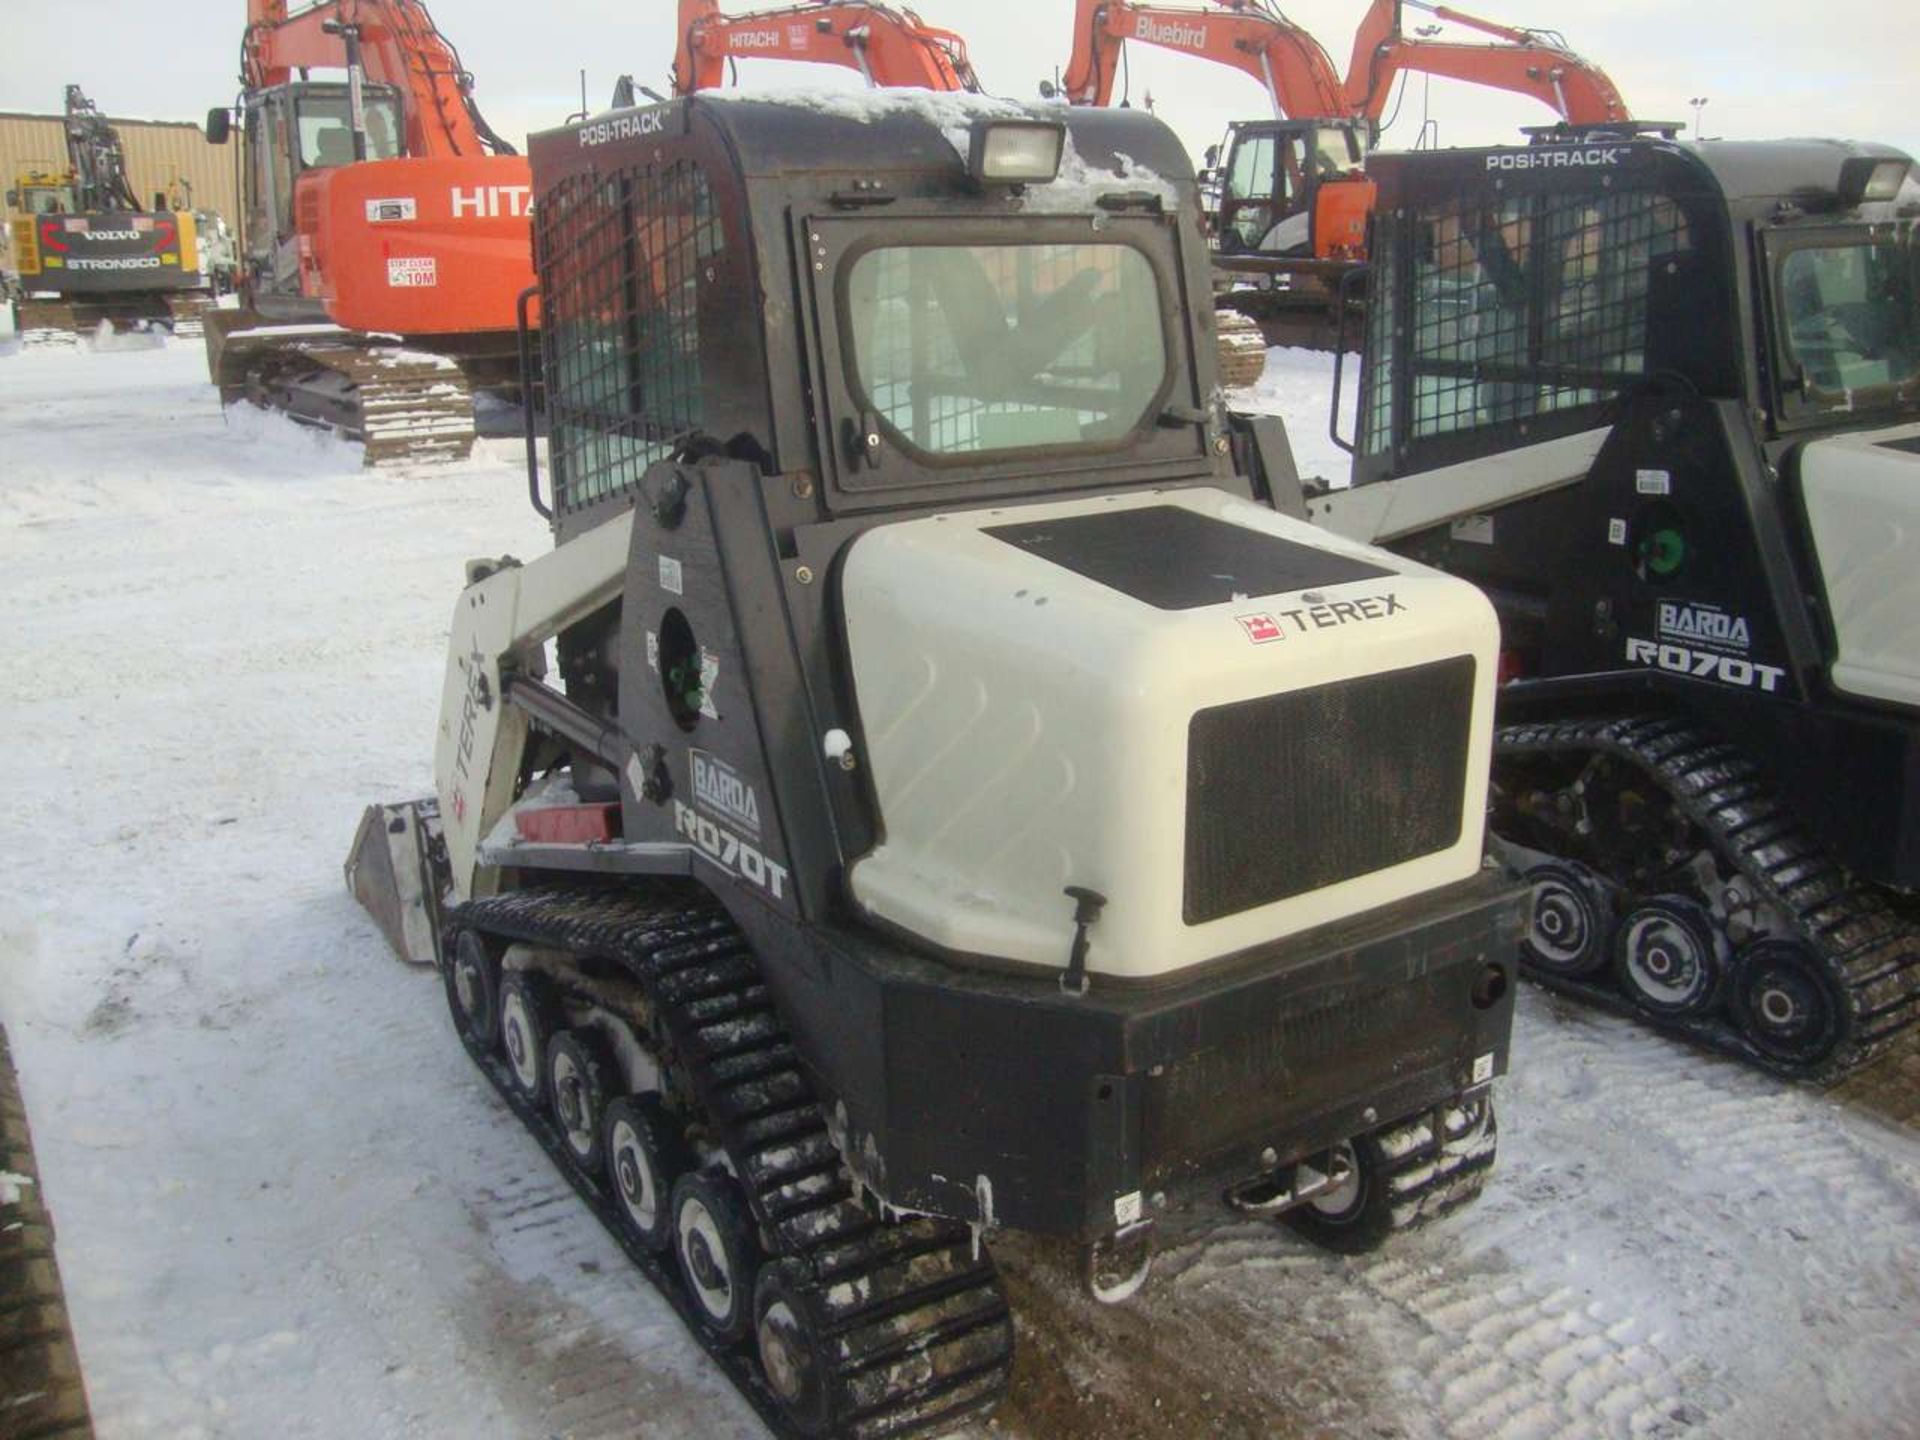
(1870, 953)
(918, 1326)
(42, 1396)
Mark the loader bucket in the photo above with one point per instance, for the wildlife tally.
(397, 871)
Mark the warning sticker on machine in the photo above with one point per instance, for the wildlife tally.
(411, 271)
(386, 212)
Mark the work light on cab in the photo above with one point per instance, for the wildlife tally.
(1868, 179)
(1023, 152)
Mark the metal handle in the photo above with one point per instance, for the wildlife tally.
(524, 338)
(1342, 295)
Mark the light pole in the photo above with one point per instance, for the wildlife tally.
(1699, 103)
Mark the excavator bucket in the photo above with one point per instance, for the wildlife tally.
(397, 870)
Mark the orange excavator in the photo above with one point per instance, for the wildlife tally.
(890, 47)
(1290, 202)
(385, 243)
(1294, 185)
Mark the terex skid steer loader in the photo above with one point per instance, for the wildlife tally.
(964, 802)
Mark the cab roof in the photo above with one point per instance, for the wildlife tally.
(882, 131)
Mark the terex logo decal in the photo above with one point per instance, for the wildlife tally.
(729, 851)
(1261, 629)
(1272, 625)
(719, 787)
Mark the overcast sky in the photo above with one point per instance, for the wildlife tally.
(1848, 68)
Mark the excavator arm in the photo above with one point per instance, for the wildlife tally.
(1247, 35)
(1527, 62)
(98, 164)
(398, 44)
(890, 48)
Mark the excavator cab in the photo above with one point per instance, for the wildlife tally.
(37, 192)
(292, 130)
(1294, 188)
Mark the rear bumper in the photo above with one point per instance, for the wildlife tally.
(996, 1098)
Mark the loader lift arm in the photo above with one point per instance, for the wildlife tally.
(398, 45)
(1526, 62)
(1249, 35)
(891, 48)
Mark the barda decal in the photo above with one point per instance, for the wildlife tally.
(1705, 665)
(722, 789)
(1698, 623)
(729, 851)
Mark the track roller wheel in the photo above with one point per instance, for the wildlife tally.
(646, 1152)
(473, 993)
(791, 1336)
(714, 1244)
(1353, 1216)
(1666, 958)
(1786, 1004)
(580, 1076)
(1569, 920)
(526, 1025)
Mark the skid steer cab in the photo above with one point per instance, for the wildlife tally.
(1054, 833)
(1662, 402)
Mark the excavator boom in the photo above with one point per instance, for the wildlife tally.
(1290, 64)
(1526, 62)
(890, 48)
(398, 46)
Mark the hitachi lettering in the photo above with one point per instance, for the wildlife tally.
(1159, 32)
(1705, 665)
(1552, 159)
(491, 201)
(753, 40)
(623, 127)
(730, 852)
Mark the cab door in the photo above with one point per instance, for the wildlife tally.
(272, 259)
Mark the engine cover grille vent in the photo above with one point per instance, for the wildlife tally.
(1289, 793)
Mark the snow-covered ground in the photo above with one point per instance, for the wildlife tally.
(288, 1206)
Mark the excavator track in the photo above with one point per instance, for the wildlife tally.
(1820, 971)
(914, 1326)
(42, 1394)
(405, 406)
